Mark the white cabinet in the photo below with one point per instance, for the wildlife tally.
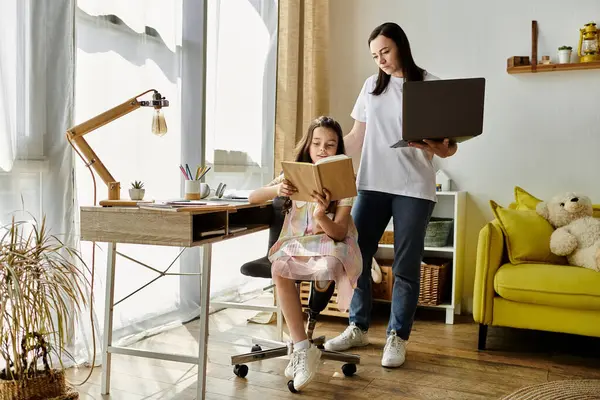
(449, 204)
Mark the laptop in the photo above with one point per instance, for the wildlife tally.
(439, 109)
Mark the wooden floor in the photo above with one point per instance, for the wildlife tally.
(442, 363)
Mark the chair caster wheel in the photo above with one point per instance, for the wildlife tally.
(256, 348)
(291, 386)
(349, 369)
(240, 370)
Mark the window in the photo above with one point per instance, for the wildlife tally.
(240, 121)
(125, 48)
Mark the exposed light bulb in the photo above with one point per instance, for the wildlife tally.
(159, 125)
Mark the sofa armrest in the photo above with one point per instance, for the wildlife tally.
(490, 251)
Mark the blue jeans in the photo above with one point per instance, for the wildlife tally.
(371, 213)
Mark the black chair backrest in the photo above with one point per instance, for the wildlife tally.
(277, 221)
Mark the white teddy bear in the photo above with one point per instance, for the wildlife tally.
(577, 233)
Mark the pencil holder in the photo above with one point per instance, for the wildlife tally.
(192, 190)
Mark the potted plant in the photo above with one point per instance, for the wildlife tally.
(564, 54)
(41, 287)
(137, 190)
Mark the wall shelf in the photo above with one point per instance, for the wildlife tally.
(526, 69)
(535, 67)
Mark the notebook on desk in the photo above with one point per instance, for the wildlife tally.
(439, 109)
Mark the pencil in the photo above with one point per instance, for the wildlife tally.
(183, 172)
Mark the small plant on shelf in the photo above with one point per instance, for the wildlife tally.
(564, 54)
(137, 190)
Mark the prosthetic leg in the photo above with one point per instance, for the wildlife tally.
(320, 294)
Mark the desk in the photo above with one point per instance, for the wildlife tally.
(166, 228)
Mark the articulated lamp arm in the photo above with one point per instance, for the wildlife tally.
(76, 133)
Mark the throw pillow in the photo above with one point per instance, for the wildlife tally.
(527, 236)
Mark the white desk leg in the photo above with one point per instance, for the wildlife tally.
(204, 304)
(108, 316)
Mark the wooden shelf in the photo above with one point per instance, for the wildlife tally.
(527, 69)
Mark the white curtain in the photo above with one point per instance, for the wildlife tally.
(240, 123)
(124, 49)
(36, 102)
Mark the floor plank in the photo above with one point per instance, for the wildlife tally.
(442, 363)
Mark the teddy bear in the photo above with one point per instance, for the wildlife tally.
(577, 232)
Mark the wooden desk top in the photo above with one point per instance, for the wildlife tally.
(169, 228)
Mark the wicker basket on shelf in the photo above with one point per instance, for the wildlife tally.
(434, 276)
(438, 232)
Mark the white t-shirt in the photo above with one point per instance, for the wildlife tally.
(404, 171)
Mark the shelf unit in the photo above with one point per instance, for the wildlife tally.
(450, 204)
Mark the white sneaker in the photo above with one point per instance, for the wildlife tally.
(305, 364)
(289, 370)
(353, 336)
(394, 352)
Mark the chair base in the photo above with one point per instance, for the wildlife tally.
(279, 349)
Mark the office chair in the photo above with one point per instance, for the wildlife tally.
(317, 301)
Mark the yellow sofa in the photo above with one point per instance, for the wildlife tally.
(520, 284)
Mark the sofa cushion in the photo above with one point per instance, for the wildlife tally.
(552, 285)
(527, 236)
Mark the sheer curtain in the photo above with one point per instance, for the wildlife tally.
(124, 49)
(36, 102)
(240, 122)
(36, 95)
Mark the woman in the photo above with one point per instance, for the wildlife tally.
(396, 183)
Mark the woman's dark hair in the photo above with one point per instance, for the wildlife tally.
(410, 70)
(303, 149)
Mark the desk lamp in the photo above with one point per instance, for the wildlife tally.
(75, 137)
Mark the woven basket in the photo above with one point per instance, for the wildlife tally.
(49, 384)
(45, 386)
(434, 275)
(438, 232)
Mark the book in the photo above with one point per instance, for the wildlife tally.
(221, 231)
(184, 206)
(335, 173)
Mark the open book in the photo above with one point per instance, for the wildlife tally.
(334, 173)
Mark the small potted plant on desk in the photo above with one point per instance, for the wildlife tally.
(564, 54)
(137, 190)
(42, 286)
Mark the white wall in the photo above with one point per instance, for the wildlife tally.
(537, 127)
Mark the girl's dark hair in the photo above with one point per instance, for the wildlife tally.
(303, 148)
(410, 70)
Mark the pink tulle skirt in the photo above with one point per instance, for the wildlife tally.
(319, 268)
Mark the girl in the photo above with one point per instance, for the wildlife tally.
(318, 242)
(396, 183)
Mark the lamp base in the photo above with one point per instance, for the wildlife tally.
(590, 58)
(123, 203)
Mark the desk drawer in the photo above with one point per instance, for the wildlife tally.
(136, 226)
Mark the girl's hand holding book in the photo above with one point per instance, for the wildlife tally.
(286, 189)
(323, 201)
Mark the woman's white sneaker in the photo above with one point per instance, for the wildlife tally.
(394, 352)
(353, 336)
